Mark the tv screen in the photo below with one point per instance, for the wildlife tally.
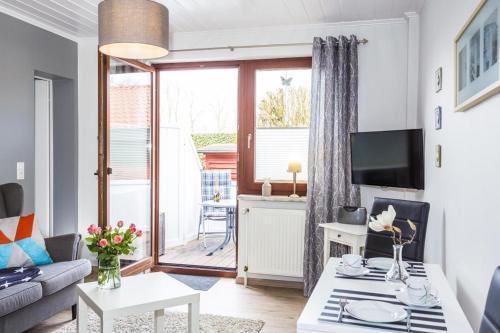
(388, 158)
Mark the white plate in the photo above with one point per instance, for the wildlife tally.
(376, 311)
(430, 302)
(383, 263)
(350, 271)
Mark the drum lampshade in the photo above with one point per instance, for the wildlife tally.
(133, 29)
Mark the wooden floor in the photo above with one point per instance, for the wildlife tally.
(279, 308)
(194, 253)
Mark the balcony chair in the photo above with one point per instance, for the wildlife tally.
(209, 178)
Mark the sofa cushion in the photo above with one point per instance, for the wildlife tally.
(59, 275)
(22, 243)
(11, 200)
(3, 209)
(19, 296)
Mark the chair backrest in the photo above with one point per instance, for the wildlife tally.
(491, 317)
(211, 179)
(379, 244)
(11, 200)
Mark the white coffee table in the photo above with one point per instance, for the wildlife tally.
(138, 294)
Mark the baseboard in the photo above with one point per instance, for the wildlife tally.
(271, 283)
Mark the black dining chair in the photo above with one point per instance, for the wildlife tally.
(379, 244)
(491, 317)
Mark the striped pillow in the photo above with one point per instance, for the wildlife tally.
(21, 243)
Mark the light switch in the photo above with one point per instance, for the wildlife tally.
(438, 156)
(20, 170)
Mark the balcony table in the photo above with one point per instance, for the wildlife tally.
(308, 321)
(230, 206)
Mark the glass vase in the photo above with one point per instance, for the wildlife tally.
(109, 276)
(397, 272)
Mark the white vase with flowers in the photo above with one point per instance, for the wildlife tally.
(384, 223)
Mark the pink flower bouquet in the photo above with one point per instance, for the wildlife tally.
(109, 243)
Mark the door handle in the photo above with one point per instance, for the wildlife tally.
(109, 171)
(96, 173)
(249, 140)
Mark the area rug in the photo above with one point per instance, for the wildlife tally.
(203, 283)
(175, 322)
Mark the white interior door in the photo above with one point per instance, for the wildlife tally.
(43, 155)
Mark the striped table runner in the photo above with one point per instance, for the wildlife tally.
(376, 274)
(422, 320)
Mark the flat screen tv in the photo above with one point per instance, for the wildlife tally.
(388, 158)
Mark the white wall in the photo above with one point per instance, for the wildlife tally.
(464, 226)
(87, 135)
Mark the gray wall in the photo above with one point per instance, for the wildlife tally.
(65, 157)
(24, 50)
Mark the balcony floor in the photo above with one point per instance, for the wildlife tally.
(193, 253)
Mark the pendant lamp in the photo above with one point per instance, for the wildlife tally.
(133, 29)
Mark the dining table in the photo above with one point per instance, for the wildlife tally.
(321, 312)
(229, 205)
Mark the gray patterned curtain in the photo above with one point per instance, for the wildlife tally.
(334, 114)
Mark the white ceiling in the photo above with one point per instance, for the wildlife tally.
(78, 18)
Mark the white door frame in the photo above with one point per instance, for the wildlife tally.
(44, 164)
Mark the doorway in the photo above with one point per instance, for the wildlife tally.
(198, 118)
(44, 155)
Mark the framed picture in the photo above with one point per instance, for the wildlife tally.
(477, 71)
(437, 118)
(438, 79)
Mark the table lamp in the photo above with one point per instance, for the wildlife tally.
(294, 167)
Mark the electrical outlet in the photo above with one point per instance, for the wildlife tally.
(20, 170)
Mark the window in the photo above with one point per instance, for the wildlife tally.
(274, 123)
(282, 110)
(274, 98)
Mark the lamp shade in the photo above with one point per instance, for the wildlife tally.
(133, 29)
(294, 166)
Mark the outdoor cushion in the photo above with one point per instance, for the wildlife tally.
(59, 275)
(215, 214)
(213, 181)
(19, 296)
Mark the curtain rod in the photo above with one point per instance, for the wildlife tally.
(232, 48)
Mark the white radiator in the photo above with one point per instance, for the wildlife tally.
(275, 241)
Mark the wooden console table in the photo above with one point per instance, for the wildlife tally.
(353, 236)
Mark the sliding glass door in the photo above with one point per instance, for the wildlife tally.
(126, 160)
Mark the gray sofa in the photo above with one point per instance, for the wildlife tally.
(24, 305)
